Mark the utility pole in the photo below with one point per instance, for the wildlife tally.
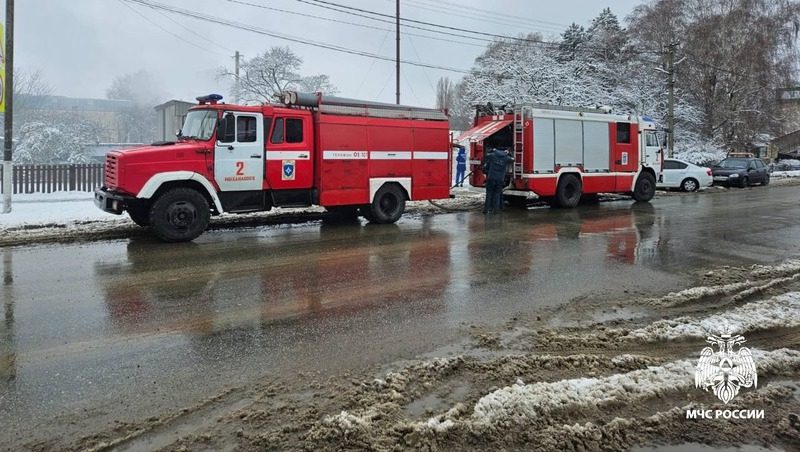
(8, 94)
(397, 61)
(671, 98)
(237, 86)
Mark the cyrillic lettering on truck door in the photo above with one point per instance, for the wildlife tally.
(239, 152)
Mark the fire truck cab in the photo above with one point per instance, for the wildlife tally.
(346, 155)
(562, 154)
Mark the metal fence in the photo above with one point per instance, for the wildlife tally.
(51, 178)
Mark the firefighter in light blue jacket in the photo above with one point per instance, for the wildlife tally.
(461, 165)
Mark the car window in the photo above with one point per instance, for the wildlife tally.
(733, 163)
(670, 164)
(682, 165)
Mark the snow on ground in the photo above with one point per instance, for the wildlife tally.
(785, 174)
(522, 403)
(698, 293)
(65, 208)
(788, 267)
(58, 208)
(780, 311)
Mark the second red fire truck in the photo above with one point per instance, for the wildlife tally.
(564, 154)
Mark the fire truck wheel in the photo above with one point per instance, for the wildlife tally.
(645, 187)
(388, 204)
(568, 193)
(179, 215)
(139, 215)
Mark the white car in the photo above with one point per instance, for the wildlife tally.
(684, 175)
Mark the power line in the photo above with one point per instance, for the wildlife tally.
(486, 37)
(261, 31)
(378, 19)
(245, 27)
(356, 24)
(194, 44)
(210, 41)
(483, 17)
(331, 5)
(495, 13)
(372, 63)
(414, 48)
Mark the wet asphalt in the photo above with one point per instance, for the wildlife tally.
(122, 331)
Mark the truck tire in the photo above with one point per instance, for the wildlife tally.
(388, 205)
(568, 192)
(140, 215)
(179, 215)
(645, 187)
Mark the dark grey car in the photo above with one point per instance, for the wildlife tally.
(740, 172)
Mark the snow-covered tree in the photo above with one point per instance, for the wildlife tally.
(519, 71)
(606, 39)
(265, 76)
(573, 38)
(733, 55)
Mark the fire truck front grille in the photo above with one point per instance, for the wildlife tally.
(111, 176)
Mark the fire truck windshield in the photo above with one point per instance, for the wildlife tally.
(199, 124)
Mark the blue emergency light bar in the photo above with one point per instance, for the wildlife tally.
(210, 99)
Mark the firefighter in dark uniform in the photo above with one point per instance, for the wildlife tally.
(497, 161)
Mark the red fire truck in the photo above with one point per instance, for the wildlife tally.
(562, 153)
(343, 154)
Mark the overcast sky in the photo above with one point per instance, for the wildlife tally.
(79, 46)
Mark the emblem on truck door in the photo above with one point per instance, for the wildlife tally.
(288, 170)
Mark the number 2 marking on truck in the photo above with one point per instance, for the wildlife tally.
(240, 168)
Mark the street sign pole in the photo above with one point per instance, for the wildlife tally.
(8, 105)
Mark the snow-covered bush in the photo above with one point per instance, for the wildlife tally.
(44, 143)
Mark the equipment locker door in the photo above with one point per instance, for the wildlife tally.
(289, 149)
(239, 151)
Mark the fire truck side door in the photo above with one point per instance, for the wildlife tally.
(652, 155)
(289, 149)
(239, 152)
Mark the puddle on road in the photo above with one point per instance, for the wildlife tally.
(437, 402)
